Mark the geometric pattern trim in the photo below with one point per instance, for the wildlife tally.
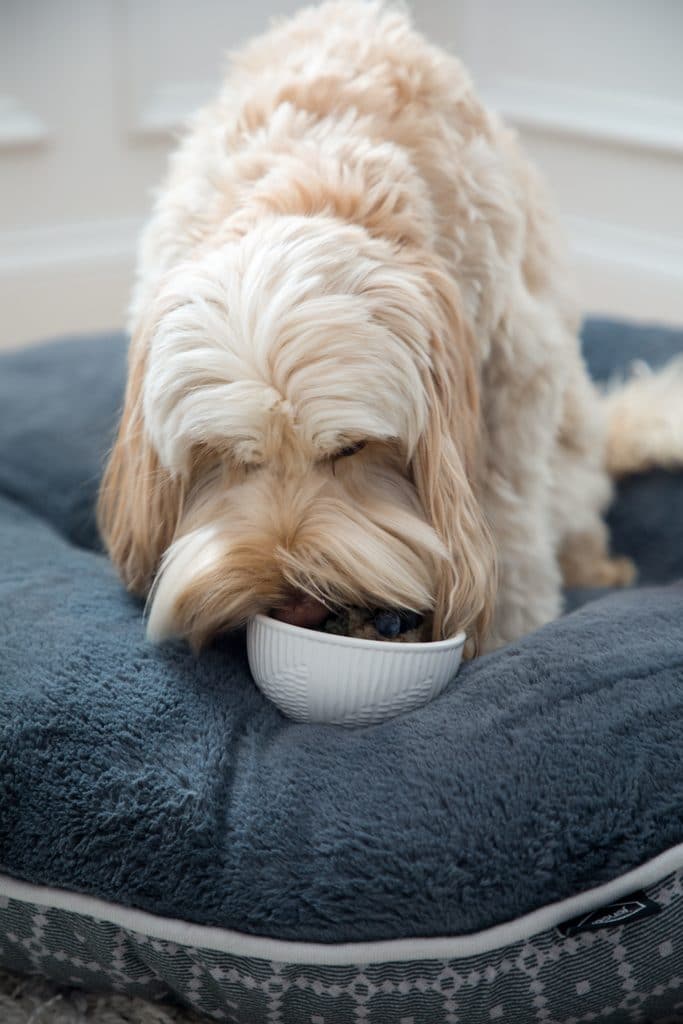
(628, 971)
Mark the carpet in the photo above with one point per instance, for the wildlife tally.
(33, 1000)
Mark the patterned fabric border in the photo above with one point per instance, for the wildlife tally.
(628, 972)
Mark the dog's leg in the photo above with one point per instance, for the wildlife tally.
(582, 490)
(545, 485)
(586, 562)
(522, 396)
(529, 592)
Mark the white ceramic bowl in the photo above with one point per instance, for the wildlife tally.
(321, 677)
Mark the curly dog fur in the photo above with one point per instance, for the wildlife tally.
(355, 376)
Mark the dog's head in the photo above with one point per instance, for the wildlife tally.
(301, 421)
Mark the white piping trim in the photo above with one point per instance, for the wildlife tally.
(223, 940)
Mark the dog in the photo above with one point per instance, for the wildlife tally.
(355, 376)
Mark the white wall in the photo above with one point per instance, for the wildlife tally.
(596, 90)
(91, 92)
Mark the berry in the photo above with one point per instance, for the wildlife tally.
(388, 624)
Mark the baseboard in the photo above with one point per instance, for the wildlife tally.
(72, 277)
(78, 277)
(628, 272)
(80, 244)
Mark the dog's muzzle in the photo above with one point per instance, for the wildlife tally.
(302, 610)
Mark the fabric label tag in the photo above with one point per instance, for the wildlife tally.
(629, 908)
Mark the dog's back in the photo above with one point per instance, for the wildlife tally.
(347, 206)
(346, 109)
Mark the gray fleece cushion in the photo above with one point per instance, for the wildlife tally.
(156, 779)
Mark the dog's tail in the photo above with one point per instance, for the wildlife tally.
(645, 420)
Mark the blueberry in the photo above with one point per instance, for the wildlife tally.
(388, 624)
(409, 620)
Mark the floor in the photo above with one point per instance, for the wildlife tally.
(37, 1001)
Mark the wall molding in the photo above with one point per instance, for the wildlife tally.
(656, 254)
(640, 122)
(19, 126)
(64, 245)
(627, 272)
(170, 106)
(66, 278)
(634, 121)
(80, 275)
(106, 240)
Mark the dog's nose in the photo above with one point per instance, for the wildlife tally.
(302, 610)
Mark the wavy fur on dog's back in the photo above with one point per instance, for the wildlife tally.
(351, 252)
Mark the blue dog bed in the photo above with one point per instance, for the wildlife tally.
(516, 846)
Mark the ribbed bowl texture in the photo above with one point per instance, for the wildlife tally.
(322, 677)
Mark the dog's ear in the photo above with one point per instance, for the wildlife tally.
(139, 501)
(446, 467)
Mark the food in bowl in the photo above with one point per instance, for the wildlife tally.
(404, 626)
(317, 675)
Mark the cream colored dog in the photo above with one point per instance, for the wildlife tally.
(354, 374)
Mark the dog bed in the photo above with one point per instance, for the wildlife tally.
(512, 851)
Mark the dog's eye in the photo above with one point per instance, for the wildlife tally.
(350, 449)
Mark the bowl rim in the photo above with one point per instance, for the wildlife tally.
(318, 636)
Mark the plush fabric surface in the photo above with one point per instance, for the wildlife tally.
(155, 779)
